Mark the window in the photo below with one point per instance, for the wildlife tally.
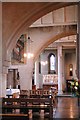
(52, 63)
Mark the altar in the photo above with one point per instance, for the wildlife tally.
(11, 92)
(50, 80)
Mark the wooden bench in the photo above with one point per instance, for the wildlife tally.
(5, 116)
(25, 104)
(24, 93)
(41, 93)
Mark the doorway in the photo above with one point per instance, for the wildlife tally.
(11, 78)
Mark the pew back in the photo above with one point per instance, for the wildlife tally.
(25, 104)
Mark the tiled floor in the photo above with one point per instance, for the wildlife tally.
(67, 108)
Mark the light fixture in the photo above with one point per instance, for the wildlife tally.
(29, 53)
(29, 48)
(44, 63)
(71, 70)
(74, 40)
(25, 55)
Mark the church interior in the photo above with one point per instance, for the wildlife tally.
(39, 60)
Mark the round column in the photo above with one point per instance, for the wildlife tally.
(60, 70)
(36, 77)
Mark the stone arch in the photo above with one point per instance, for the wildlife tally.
(60, 35)
(22, 24)
(27, 20)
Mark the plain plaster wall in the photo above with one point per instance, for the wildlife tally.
(70, 58)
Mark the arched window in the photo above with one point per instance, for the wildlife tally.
(52, 63)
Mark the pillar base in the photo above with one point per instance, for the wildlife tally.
(60, 92)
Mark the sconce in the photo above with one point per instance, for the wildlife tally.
(44, 63)
(71, 70)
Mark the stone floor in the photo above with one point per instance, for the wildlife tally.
(67, 108)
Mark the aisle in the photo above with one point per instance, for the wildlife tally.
(67, 108)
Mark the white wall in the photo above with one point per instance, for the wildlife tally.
(2, 51)
(70, 58)
(44, 57)
(25, 72)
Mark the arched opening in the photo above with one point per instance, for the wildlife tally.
(50, 40)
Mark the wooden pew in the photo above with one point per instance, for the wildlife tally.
(23, 93)
(26, 104)
(39, 93)
(10, 116)
(9, 107)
